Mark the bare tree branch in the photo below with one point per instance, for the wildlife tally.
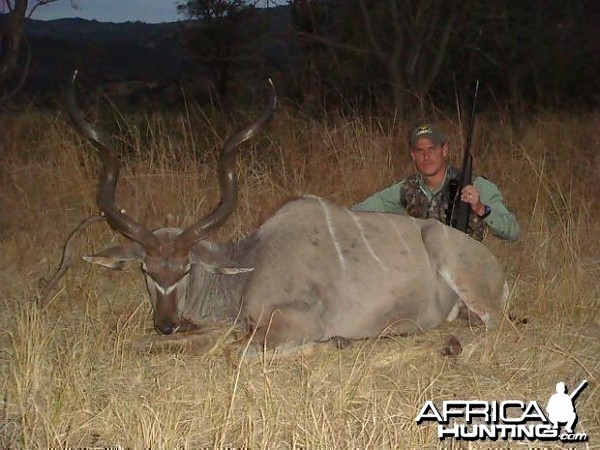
(38, 4)
(11, 37)
(24, 75)
(439, 56)
(378, 50)
(332, 43)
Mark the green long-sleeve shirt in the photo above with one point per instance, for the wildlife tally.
(501, 222)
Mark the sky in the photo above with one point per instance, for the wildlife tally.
(150, 11)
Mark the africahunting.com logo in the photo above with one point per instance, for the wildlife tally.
(507, 420)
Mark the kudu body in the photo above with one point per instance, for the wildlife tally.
(311, 272)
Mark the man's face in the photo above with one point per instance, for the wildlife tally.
(429, 157)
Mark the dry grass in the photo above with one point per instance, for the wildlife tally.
(68, 373)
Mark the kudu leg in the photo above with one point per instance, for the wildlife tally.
(285, 326)
(468, 269)
(201, 340)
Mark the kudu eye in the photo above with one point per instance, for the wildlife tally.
(149, 275)
(145, 271)
(185, 268)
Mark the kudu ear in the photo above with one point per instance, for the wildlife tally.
(215, 261)
(116, 257)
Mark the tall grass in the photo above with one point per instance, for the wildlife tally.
(69, 375)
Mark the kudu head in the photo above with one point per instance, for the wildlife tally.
(167, 255)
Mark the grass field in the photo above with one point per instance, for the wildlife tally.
(70, 377)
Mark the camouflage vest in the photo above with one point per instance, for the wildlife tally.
(417, 205)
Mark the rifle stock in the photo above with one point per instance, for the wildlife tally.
(463, 209)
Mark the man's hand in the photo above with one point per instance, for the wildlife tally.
(470, 195)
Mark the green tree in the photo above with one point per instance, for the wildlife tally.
(220, 37)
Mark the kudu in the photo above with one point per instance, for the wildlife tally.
(313, 271)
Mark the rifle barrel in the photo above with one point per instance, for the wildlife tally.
(463, 210)
(472, 118)
(578, 389)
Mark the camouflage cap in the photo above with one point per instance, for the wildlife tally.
(426, 130)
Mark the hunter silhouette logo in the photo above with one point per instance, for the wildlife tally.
(510, 419)
(560, 407)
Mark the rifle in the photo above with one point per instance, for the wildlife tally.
(458, 212)
(576, 392)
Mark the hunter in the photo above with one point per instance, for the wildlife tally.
(425, 194)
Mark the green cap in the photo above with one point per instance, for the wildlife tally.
(428, 131)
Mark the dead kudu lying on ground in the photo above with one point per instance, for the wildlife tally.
(312, 272)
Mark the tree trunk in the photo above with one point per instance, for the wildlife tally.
(11, 32)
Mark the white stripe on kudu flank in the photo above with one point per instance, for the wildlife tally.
(397, 231)
(416, 223)
(356, 220)
(446, 233)
(338, 249)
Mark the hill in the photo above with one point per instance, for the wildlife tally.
(106, 52)
(128, 57)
